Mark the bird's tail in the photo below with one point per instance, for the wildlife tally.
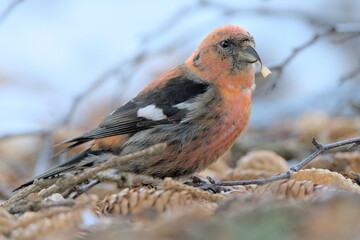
(84, 159)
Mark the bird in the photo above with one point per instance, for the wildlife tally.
(198, 108)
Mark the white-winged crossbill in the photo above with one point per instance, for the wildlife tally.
(198, 109)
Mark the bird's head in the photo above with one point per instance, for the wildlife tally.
(227, 50)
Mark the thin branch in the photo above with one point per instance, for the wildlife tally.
(87, 91)
(170, 184)
(355, 106)
(10, 8)
(45, 151)
(349, 37)
(352, 74)
(320, 148)
(347, 31)
(296, 51)
(172, 21)
(335, 29)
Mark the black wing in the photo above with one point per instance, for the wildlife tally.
(146, 110)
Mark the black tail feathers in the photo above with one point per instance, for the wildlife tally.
(72, 164)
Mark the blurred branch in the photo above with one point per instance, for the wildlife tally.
(170, 184)
(278, 69)
(232, 9)
(355, 106)
(45, 152)
(87, 91)
(352, 74)
(296, 51)
(320, 148)
(348, 31)
(172, 21)
(13, 4)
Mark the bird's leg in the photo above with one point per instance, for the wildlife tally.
(82, 189)
(206, 184)
(196, 181)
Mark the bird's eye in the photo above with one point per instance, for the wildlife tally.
(224, 43)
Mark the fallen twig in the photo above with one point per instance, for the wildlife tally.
(170, 184)
(352, 74)
(320, 148)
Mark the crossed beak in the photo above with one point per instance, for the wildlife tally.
(249, 55)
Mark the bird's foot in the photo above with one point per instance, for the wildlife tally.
(82, 189)
(206, 184)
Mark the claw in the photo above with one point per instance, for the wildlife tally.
(208, 184)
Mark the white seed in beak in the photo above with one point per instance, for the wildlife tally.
(265, 71)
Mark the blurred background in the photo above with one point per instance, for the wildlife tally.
(64, 65)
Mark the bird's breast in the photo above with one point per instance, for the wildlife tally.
(236, 112)
(230, 119)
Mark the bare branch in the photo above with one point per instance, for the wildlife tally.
(352, 74)
(320, 149)
(45, 152)
(355, 106)
(172, 21)
(170, 184)
(296, 51)
(87, 92)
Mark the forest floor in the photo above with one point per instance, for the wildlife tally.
(320, 201)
